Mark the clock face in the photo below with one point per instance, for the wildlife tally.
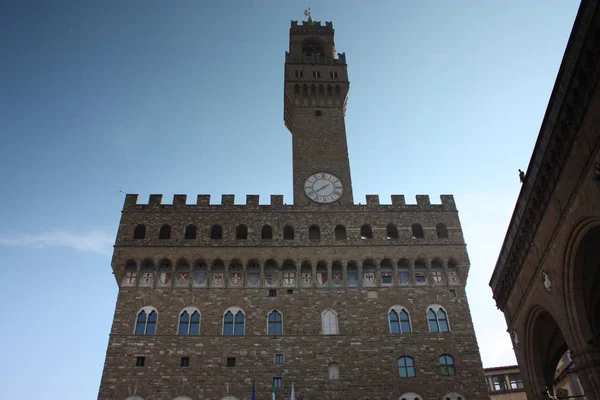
(323, 188)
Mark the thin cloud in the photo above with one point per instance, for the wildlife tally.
(94, 241)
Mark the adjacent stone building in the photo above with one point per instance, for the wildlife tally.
(547, 278)
(346, 301)
(505, 383)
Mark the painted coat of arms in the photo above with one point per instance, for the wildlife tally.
(253, 278)
(452, 277)
(218, 278)
(271, 278)
(322, 278)
(164, 278)
(182, 278)
(336, 277)
(235, 278)
(147, 279)
(369, 278)
(306, 278)
(129, 279)
(289, 278)
(200, 277)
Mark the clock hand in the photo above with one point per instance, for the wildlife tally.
(322, 187)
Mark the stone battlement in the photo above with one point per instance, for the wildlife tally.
(252, 203)
(313, 25)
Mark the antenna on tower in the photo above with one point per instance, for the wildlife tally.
(307, 15)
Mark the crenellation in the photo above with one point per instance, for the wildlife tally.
(179, 200)
(276, 200)
(203, 200)
(372, 199)
(423, 200)
(227, 199)
(252, 200)
(130, 201)
(398, 200)
(155, 200)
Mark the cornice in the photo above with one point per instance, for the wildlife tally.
(577, 78)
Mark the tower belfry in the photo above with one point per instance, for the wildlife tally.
(316, 92)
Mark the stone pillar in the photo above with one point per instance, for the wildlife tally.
(587, 368)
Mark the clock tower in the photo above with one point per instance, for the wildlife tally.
(316, 92)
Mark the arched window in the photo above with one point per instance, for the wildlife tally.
(437, 272)
(288, 233)
(406, 367)
(146, 321)
(447, 365)
(139, 232)
(392, 231)
(417, 231)
(420, 272)
(266, 232)
(404, 272)
(189, 322)
(366, 232)
(340, 232)
(442, 231)
(437, 319)
(453, 396)
(314, 233)
(411, 396)
(329, 322)
(334, 371)
(275, 324)
(216, 232)
(165, 232)
(134, 398)
(399, 320)
(233, 322)
(352, 273)
(190, 232)
(387, 272)
(241, 233)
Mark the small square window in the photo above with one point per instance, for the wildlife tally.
(299, 74)
(185, 362)
(278, 358)
(277, 383)
(272, 292)
(318, 113)
(452, 293)
(386, 278)
(140, 361)
(316, 74)
(231, 361)
(333, 74)
(290, 291)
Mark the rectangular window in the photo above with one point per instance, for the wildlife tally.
(333, 74)
(316, 74)
(515, 381)
(231, 361)
(318, 113)
(185, 362)
(420, 277)
(272, 292)
(299, 74)
(278, 358)
(452, 293)
(499, 383)
(290, 291)
(277, 383)
(140, 361)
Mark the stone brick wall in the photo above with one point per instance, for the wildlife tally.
(366, 352)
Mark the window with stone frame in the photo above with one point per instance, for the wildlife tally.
(411, 396)
(334, 371)
(399, 320)
(329, 322)
(442, 231)
(392, 231)
(146, 321)
(189, 322)
(165, 232)
(387, 272)
(366, 232)
(275, 323)
(447, 365)
(234, 322)
(404, 272)
(288, 233)
(417, 231)
(314, 232)
(266, 232)
(190, 232)
(216, 232)
(241, 232)
(340, 232)
(420, 272)
(437, 319)
(406, 367)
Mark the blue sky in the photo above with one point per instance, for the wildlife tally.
(187, 97)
